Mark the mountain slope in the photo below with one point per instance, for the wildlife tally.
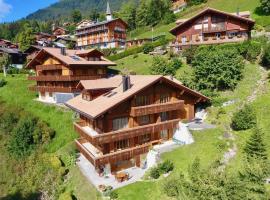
(63, 8)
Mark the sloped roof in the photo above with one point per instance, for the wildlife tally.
(103, 103)
(212, 10)
(103, 83)
(71, 58)
(103, 22)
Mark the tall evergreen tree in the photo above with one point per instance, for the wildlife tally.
(128, 13)
(255, 147)
(76, 16)
(26, 38)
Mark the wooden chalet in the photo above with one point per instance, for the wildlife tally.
(110, 33)
(123, 116)
(32, 51)
(58, 71)
(8, 44)
(59, 31)
(178, 5)
(18, 58)
(212, 26)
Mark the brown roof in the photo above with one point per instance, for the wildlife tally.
(103, 83)
(71, 58)
(103, 103)
(233, 15)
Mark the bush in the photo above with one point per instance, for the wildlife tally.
(155, 173)
(147, 48)
(266, 57)
(28, 133)
(244, 119)
(3, 82)
(189, 53)
(217, 68)
(163, 66)
(172, 186)
(165, 167)
(113, 195)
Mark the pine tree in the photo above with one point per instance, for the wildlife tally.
(255, 147)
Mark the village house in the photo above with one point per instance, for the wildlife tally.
(122, 117)
(212, 26)
(18, 58)
(59, 31)
(59, 70)
(8, 44)
(32, 51)
(110, 33)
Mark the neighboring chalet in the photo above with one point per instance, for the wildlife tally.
(58, 71)
(44, 39)
(67, 42)
(123, 116)
(212, 26)
(8, 44)
(59, 31)
(84, 23)
(110, 33)
(18, 58)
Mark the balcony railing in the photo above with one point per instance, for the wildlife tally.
(48, 67)
(214, 29)
(112, 157)
(53, 89)
(156, 108)
(63, 78)
(102, 138)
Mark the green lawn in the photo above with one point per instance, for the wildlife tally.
(139, 63)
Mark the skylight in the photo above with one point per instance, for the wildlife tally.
(76, 58)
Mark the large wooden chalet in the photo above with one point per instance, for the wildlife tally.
(123, 116)
(58, 71)
(212, 26)
(110, 33)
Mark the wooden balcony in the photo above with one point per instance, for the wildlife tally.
(63, 78)
(48, 67)
(112, 157)
(214, 29)
(156, 108)
(102, 138)
(53, 89)
(209, 40)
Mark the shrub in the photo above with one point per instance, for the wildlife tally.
(113, 195)
(3, 82)
(266, 57)
(189, 53)
(166, 166)
(8, 120)
(147, 48)
(217, 68)
(172, 186)
(155, 173)
(162, 66)
(244, 119)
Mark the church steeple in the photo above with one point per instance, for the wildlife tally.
(108, 12)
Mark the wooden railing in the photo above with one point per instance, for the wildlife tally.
(63, 78)
(48, 67)
(53, 89)
(112, 157)
(156, 108)
(102, 138)
(214, 29)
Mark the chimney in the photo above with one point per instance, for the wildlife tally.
(63, 51)
(126, 82)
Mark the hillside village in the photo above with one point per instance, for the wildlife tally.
(159, 99)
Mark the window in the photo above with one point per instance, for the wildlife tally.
(50, 94)
(145, 119)
(164, 116)
(100, 71)
(120, 123)
(184, 39)
(145, 138)
(164, 134)
(121, 144)
(218, 35)
(142, 100)
(164, 98)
